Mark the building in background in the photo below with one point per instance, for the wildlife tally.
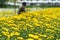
(41, 2)
(38, 2)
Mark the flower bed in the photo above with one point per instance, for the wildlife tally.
(36, 25)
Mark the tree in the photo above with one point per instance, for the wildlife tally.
(15, 5)
(3, 3)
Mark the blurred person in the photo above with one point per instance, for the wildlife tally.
(22, 9)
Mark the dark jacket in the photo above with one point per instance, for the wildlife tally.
(22, 9)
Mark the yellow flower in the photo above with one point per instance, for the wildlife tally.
(35, 20)
(34, 36)
(40, 39)
(20, 38)
(16, 33)
(5, 29)
(12, 34)
(10, 21)
(48, 26)
(36, 24)
(50, 37)
(29, 18)
(42, 35)
(15, 28)
(48, 30)
(29, 39)
(12, 25)
(29, 25)
(5, 33)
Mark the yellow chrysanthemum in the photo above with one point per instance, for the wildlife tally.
(34, 36)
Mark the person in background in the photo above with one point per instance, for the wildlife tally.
(22, 9)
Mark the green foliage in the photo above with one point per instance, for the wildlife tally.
(3, 3)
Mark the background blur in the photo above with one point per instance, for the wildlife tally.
(14, 5)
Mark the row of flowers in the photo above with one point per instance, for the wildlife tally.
(36, 25)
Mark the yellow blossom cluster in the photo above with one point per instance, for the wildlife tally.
(36, 25)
